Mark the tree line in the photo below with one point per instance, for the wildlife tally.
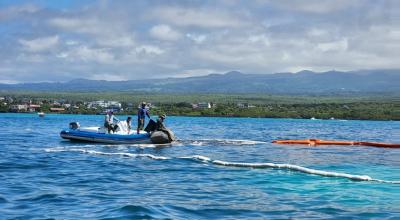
(226, 105)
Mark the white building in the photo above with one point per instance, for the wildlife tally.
(19, 108)
(104, 104)
(203, 105)
(33, 107)
(245, 105)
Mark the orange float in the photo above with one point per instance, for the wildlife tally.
(378, 144)
(315, 142)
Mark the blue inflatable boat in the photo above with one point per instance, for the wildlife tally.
(99, 134)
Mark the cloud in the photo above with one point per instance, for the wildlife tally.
(92, 24)
(340, 45)
(148, 49)
(79, 25)
(197, 17)
(196, 72)
(9, 81)
(71, 42)
(108, 77)
(164, 32)
(142, 39)
(263, 39)
(100, 30)
(13, 12)
(40, 44)
(87, 54)
(197, 38)
(117, 41)
(31, 58)
(315, 6)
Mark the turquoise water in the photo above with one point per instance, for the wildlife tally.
(45, 177)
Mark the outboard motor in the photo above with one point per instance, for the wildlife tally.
(151, 126)
(74, 125)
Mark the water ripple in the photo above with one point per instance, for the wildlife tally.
(235, 164)
(222, 168)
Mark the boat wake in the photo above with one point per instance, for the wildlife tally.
(123, 154)
(204, 159)
(220, 142)
(186, 142)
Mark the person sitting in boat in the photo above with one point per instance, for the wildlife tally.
(129, 124)
(161, 127)
(142, 113)
(109, 122)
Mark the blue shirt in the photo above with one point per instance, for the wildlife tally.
(142, 112)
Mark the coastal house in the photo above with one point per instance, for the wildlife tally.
(57, 109)
(148, 105)
(3, 101)
(9, 99)
(25, 101)
(33, 107)
(202, 105)
(113, 109)
(104, 104)
(19, 108)
(114, 104)
(245, 105)
(95, 104)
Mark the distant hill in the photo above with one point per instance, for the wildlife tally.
(303, 82)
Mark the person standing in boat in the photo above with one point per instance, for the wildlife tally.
(142, 113)
(109, 122)
(129, 124)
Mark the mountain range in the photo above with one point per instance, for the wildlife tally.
(303, 82)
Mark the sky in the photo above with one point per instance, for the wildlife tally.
(122, 40)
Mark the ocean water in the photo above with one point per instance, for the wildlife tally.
(222, 168)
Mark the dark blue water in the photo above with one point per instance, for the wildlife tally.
(43, 176)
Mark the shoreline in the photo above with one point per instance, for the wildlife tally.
(210, 105)
(208, 116)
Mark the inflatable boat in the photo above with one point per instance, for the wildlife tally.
(120, 136)
(100, 135)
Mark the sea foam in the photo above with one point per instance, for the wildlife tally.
(204, 159)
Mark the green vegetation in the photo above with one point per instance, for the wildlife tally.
(271, 106)
(357, 110)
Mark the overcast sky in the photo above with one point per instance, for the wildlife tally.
(118, 40)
